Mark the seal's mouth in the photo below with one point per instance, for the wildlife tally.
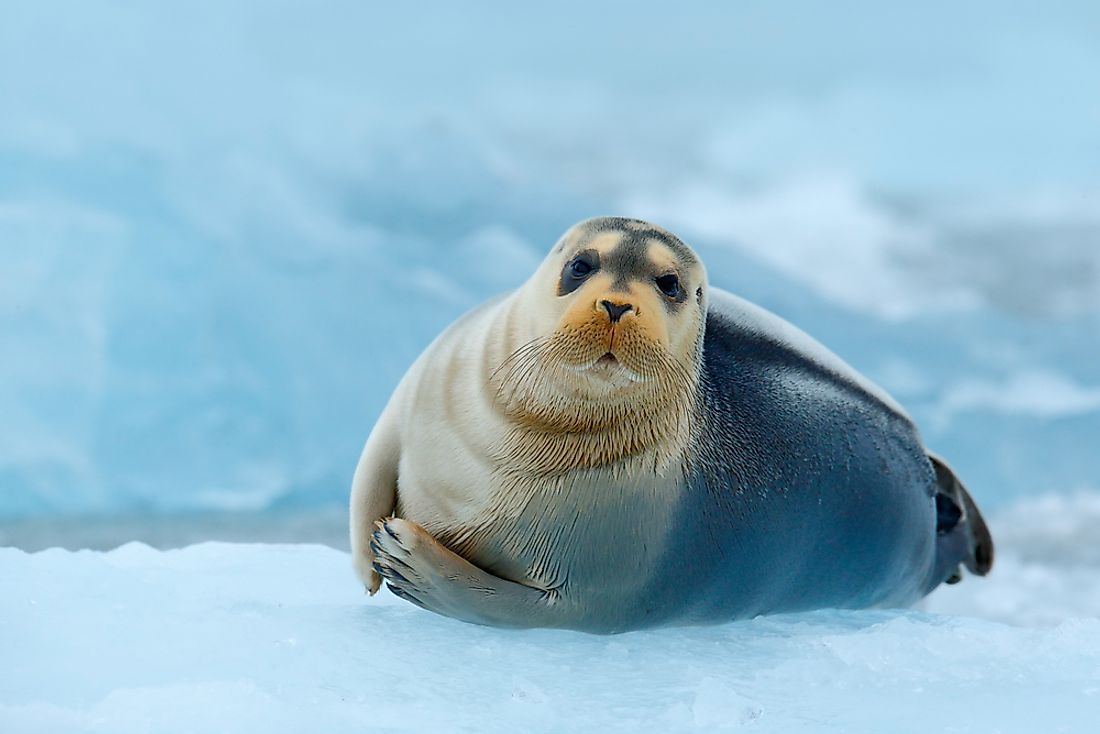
(607, 367)
(607, 364)
(610, 367)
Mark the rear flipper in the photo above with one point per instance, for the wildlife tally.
(962, 537)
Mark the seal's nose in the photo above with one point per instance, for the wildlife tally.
(616, 310)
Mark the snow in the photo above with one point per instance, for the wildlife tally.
(280, 638)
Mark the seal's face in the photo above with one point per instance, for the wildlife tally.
(629, 303)
(612, 347)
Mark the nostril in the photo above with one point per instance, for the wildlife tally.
(616, 310)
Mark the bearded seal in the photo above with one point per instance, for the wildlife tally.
(617, 445)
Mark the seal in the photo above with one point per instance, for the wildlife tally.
(616, 445)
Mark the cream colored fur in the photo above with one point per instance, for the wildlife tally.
(513, 400)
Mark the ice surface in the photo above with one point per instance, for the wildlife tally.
(270, 638)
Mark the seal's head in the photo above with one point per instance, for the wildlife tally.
(615, 318)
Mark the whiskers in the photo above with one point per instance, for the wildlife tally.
(521, 374)
(519, 361)
(567, 416)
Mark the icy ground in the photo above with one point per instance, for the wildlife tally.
(279, 638)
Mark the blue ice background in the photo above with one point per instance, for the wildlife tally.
(226, 229)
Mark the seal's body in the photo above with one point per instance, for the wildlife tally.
(616, 446)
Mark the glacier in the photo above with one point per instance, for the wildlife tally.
(227, 232)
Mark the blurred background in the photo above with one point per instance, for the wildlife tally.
(226, 229)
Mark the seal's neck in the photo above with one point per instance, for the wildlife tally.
(643, 441)
(557, 423)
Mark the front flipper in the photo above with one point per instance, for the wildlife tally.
(417, 567)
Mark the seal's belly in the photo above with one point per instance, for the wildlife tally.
(587, 533)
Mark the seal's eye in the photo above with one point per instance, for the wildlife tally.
(577, 270)
(669, 285)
